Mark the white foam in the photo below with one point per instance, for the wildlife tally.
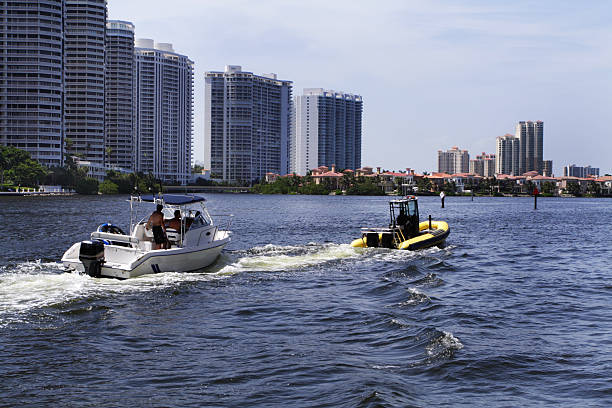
(442, 344)
(32, 285)
(415, 297)
(272, 258)
(384, 367)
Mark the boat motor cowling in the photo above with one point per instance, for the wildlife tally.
(91, 256)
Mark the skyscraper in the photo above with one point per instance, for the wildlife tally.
(483, 165)
(120, 98)
(453, 161)
(165, 111)
(247, 124)
(507, 153)
(31, 80)
(85, 31)
(531, 136)
(578, 171)
(327, 131)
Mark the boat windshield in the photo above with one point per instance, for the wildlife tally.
(195, 215)
(411, 207)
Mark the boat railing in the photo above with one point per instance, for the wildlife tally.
(380, 230)
(115, 237)
(398, 234)
(229, 218)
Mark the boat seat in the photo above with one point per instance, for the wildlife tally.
(173, 236)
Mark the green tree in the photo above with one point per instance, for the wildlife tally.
(594, 189)
(424, 185)
(573, 188)
(87, 185)
(548, 188)
(17, 167)
(108, 187)
(366, 188)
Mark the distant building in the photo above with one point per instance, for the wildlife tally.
(85, 31)
(507, 153)
(576, 171)
(327, 131)
(453, 161)
(531, 137)
(247, 124)
(31, 78)
(483, 165)
(547, 169)
(164, 134)
(120, 98)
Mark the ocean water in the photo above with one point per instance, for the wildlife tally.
(516, 310)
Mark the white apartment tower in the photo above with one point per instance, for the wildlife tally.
(507, 152)
(31, 78)
(247, 124)
(164, 100)
(483, 165)
(120, 98)
(327, 131)
(531, 136)
(84, 47)
(453, 161)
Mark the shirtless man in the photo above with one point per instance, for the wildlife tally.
(156, 222)
(175, 223)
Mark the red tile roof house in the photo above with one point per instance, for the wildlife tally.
(564, 182)
(438, 179)
(388, 180)
(538, 182)
(271, 177)
(463, 179)
(322, 173)
(606, 184)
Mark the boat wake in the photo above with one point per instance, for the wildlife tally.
(273, 258)
(33, 285)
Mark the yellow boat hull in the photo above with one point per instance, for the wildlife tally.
(427, 238)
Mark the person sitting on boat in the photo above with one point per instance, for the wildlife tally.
(402, 223)
(175, 223)
(156, 222)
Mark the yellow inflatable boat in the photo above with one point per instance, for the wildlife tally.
(405, 231)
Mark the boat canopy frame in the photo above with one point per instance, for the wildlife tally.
(172, 202)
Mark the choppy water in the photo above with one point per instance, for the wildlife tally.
(515, 311)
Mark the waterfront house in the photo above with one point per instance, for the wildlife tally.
(463, 180)
(605, 183)
(438, 179)
(322, 174)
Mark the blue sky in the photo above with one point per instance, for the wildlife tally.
(433, 73)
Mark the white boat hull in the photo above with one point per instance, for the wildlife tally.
(124, 263)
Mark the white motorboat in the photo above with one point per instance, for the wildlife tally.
(114, 254)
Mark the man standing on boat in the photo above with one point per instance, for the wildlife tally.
(156, 222)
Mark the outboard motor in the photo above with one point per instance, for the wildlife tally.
(92, 257)
(372, 239)
(386, 241)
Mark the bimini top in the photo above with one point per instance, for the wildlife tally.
(173, 199)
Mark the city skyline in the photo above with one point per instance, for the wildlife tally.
(426, 82)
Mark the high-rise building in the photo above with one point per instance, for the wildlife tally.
(85, 35)
(547, 169)
(247, 124)
(327, 131)
(483, 165)
(531, 136)
(507, 153)
(577, 171)
(453, 161)
(164, 125)
(120, 98)
(31, 81)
